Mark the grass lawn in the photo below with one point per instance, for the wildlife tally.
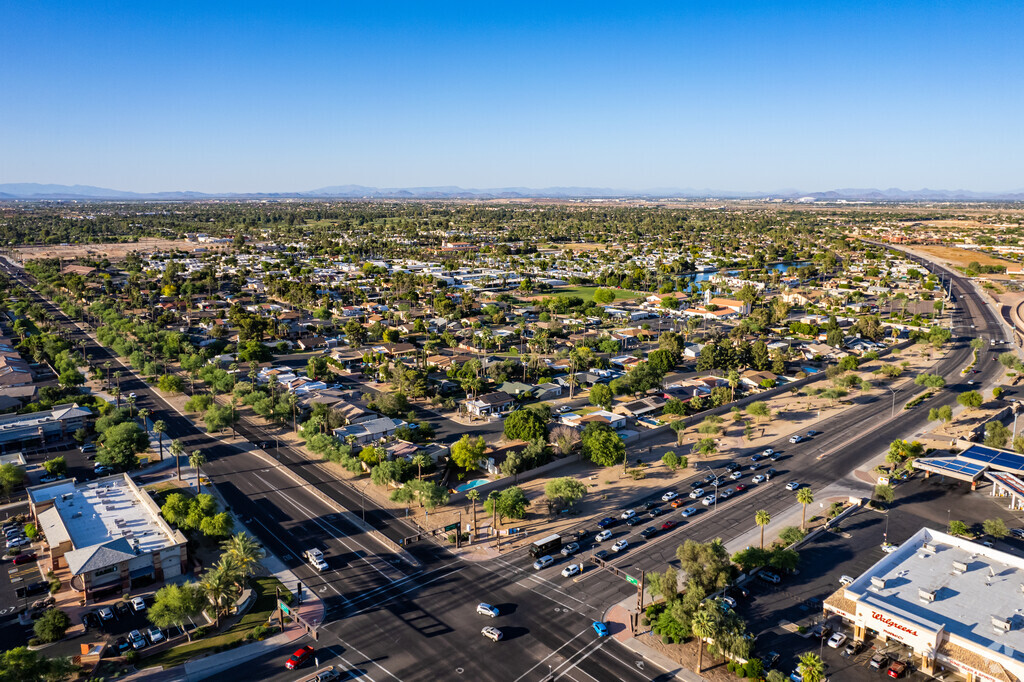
(261, 610)
(587, 293)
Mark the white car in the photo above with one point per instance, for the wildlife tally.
(563, 409)
(138, 604)
(155, 635)
(493, 634)
(889, 547)
(758, 479)
(603, 535)
(768, 453)
(51, 478)
(628, 514)
(106, 613)
(708, 501)
(543, 562)
(17, 541)
(792, 485)
(837, 640)
(486, 610)
(697, 492)
(669, 496)
(571, 570)
(729, 601)
(736, 475)
(689, 511)
(132, 395)
(620, 545)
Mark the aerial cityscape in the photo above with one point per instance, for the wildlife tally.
(513, 344)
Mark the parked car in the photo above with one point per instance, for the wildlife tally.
(51, 478)
(123, 645)
(1017, 533)
(837, 640)
(822, 630)
(299, 658)
(845, 580)
(879, 661)
(484, 609)
(155, 635)
(493, 634)
(90, 620)
(138, 604)
(853, 648)
(24, 558)
(122, 609)
(769, 577)
(547, 560)
(106, 613)
(137, 640)
(889, 547)
(897, 669)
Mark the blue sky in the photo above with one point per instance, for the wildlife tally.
(287, 96)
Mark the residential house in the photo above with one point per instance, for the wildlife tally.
(370, 430)
(498, 402)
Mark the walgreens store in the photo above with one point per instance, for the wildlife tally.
(956, 605)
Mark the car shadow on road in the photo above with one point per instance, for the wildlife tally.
(514, 632)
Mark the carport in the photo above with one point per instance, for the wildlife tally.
(954, 467)
(976, 460)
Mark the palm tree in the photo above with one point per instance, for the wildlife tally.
(143, 414)
(160, 428)
(116, 392)
(762, 518)
(492, 497)
(219, 585)
(245, 550)
(811, 667)
(703, 627)
(131, 403)
(421, 461)
(804, 496)
(177, 449)
(734, 381)
(473, 495)
(197, 460)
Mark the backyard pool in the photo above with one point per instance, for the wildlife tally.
(471, 484)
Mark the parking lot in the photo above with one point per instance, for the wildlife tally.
(773, 611)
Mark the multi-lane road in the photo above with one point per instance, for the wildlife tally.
(389, 620)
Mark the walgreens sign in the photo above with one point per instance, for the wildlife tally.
(893, 625)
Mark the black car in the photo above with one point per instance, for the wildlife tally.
(90, 620)
(696, 484)
(657, 511)
(123, 645)
(607, 522)
(757, 457)
(709, 478)
(732, 466)
(634, 520)
(122, 609)
(30, 589)
(812, 433)
(770, 659)
(770, 473)
(581, 534)
(648, 532)
(650, 505)
(601, 554)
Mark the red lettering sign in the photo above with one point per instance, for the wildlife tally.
(893, 624)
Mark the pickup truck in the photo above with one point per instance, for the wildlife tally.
(315, 558)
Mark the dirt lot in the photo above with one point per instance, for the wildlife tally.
(111, 251)
(960, 257)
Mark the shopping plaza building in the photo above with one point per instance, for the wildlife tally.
(955, 604)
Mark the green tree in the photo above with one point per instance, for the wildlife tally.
(121, 445)
(524, 425)
(177, 450)
(468, 453)
(759, 409)
(175, 604)
(11, 476)
(601, 396)
(710, 426)
(603, 296)
(160, 428)
(957, 527)
(671, 460)
(566, 489)
(996, 528)
(706, 565)
(930, 380)
(246, 551)
(171, 384)
(805, 497)
(811, 667)
(19, 664)
(885, 493)
(762, 518)
(57, 466)
(602, 445)
(197, 460)
(706, 446)
(996, 434)
(52, 625)
(510, 502)
(970, 399)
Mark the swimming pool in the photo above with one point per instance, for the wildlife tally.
(472, 484)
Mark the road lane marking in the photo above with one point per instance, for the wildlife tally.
(599, 642)
(541, 661)
(415, 587)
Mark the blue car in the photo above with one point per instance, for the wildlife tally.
(605, 522)
(600, 628)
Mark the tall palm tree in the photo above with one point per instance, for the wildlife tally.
(811, 667)
(218, 582)
(473, 495)
(246, 551)
(703, 627)
(177, 449)
(804, 496)
(421, 461)
(143, 415)
(197, 460)
(131, 404)
(762, 518)
(160, 428)
(116, 392)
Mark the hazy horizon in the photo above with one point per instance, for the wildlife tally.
(736, 97)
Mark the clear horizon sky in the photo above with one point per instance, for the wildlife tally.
(743, 96)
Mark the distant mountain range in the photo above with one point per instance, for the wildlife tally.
(35, 191)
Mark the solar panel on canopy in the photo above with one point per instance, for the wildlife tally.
(952, 465)
(1002, 459)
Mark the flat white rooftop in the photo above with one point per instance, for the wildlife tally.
(109, 509)
(941, 581)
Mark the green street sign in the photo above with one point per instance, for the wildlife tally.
(451, 526)
(284, 607)
(632, 580)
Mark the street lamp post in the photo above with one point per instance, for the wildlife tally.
(892, 413)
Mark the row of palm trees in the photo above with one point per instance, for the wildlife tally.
(762, 518)
(223, 582)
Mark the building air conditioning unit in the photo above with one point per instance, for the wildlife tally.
(926, 595)
(959, 567)
(929, 548)
(878, 582)
(1001, 624)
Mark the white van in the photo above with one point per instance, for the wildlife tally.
(845, 580)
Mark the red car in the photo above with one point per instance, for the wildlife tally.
(740, 487)
(300, 657)
(668, 525)
(24, 559)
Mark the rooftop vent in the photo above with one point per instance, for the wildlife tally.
(929, 548)
(959, 567)
(926, 595)
(1001, 624)
(878, 582)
